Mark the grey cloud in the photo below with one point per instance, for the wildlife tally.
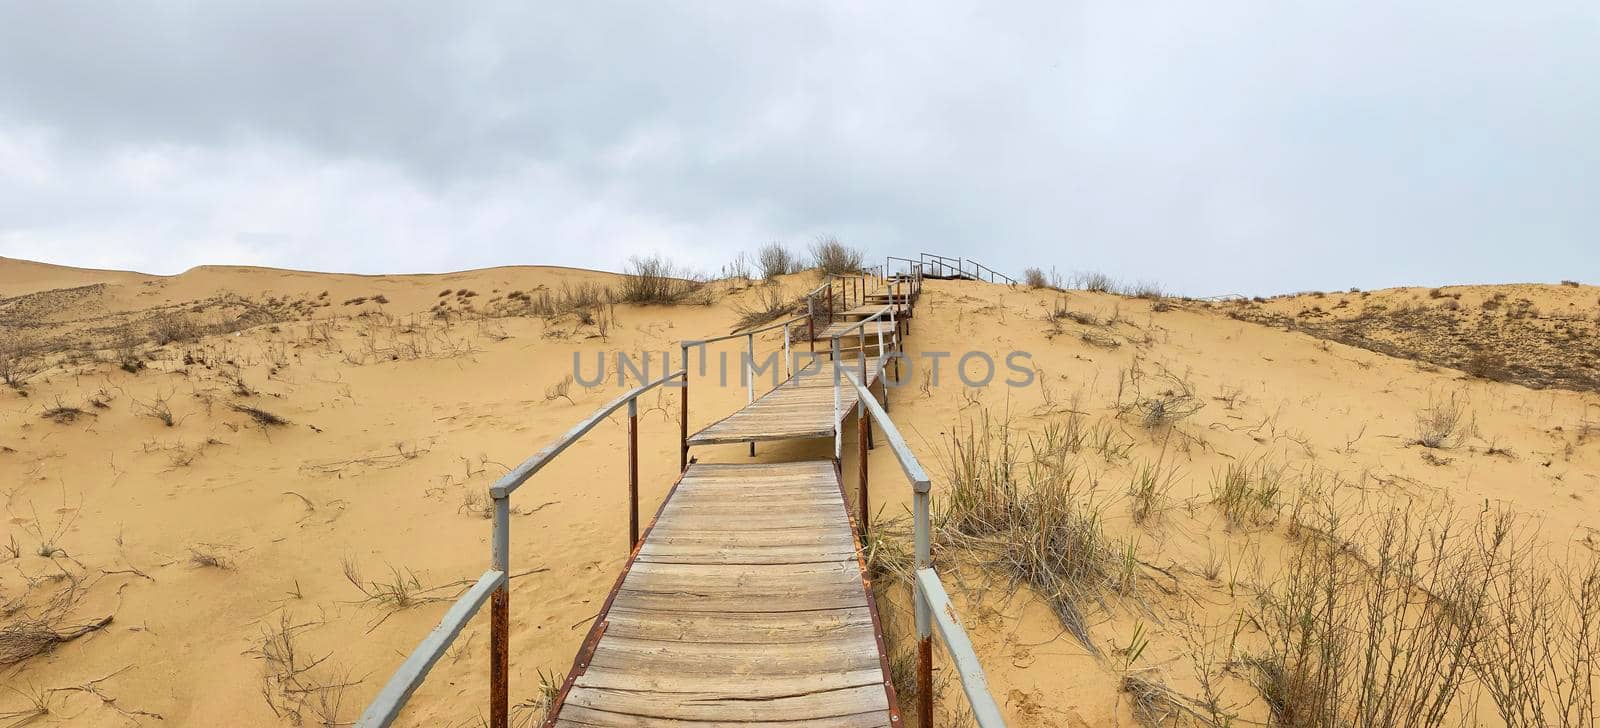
(1217, 147)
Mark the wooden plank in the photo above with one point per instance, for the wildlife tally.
(581, 717)
(776, 628)
(713, 707)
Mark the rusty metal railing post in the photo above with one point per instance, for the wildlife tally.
(923, 560)
(683, 416)
(633, 473)
(500, 616)
(811, 322)
(838, 438)
(863, 433)
(750, 377)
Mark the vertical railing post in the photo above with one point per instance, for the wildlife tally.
(863, 430)
(683, 416)
(883, 386)
(633, 473)
(500, 616)
(811, 322)
(924, 628)
(838, 439)
(788, 368)
(750, 377)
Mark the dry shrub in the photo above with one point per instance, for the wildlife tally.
(62, 414)
(765, 304)
(1387, 631)
(776, 260)
(1146, 289)
(1570, 284)
(26, 633)
(1443, 423)
(292, 683)
(171, 327)
(1173, 402)
(831, 256)
(1541, 666)
(1094, 281)
(1034, 278)
(261, 416)
(654, 279)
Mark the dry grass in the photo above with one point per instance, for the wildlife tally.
(831, 256)
(765, 304)
(1028, 518)
(1149, 492)
(1250, 495)
(260, 416)
(656, 280)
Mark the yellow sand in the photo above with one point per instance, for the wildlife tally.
(398, 420)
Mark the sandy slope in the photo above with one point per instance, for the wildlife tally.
(399, 419)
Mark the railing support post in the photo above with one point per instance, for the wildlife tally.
(838, 440)
(863, 435)
(750, 377)
(500, 617)
(811, 322)
(923, 559)
(633, 473)
(683, 417)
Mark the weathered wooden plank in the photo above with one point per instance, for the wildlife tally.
(713, 707)
(581, 717)
(775, 628)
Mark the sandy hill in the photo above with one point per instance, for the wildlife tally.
(238, 496)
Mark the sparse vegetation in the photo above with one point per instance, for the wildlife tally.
(1443, 423)
(763, 305)
(655, 280)
(831, 256)
(776, 260)
(1028, 517)
(1034, 278)
(260, 416)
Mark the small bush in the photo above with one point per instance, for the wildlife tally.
(1443, 423)
(170, 327)
(655, 279)
(1570, 284)
(832, 256)
(1095, 282)
(776, 260)
(1034, 278)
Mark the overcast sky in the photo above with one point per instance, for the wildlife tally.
(1215, 147)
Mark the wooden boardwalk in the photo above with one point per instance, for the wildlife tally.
(800, 407)
(744, 604)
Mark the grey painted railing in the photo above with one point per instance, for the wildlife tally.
(887, 313)
(944, 266)
(933, 608)
(748, 369)
(495, 584)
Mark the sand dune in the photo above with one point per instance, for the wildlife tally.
(151, 482)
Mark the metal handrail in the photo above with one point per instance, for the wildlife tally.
(861, 356)
(933, 608)
(495, 584)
